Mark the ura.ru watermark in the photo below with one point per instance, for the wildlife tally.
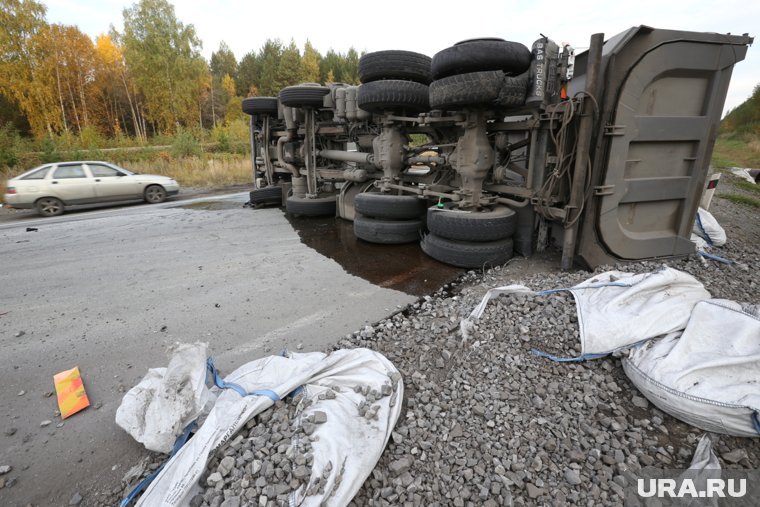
(691, 488)
(713, 487)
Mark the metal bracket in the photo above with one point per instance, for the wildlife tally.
(604, 190)
(614, 130)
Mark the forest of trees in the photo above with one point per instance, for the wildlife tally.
(150, 79)
(744, 118)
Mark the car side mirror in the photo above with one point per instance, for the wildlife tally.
(120, 174)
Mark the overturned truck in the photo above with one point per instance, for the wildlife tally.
(491, 148)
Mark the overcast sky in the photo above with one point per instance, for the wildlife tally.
(428, 27)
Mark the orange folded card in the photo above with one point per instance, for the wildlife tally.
(70, 391)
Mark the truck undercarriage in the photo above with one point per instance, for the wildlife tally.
(490, 148)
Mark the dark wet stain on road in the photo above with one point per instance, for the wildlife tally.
(212, 205)
(401, 267)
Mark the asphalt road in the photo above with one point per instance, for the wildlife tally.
(110, 290)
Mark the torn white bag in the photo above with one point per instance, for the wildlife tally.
(617, 309)
(708, 228)
(351, 444)
(707, 376)
(156, 410)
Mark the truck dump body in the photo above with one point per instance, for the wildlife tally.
(662, 100)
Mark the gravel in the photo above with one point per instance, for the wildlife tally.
(264, 462)
(485, 422)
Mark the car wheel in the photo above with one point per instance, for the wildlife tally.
(488, 225)
(260, 105)
(488, 89)
(479, 55)
(393, 95)
(465, 254)
(49, 206)
(387, 232)
(393, 64)
(316, 207)
(393, 207)
(155, 194)
(266, 195)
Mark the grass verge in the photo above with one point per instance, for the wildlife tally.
(736, 150)
(745, 200)
(749, 187)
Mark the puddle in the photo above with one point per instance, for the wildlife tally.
(212, 205)
(401, 267)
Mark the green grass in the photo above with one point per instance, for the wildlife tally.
(749, 187)
(736, 150)
(741, 199)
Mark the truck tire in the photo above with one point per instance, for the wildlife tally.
(479, 55)
(491, 225)
(393, 207)
(466, 254)
(260, 105)
(316, 207)
(387, 232)
(393, 95)
(303, 96)
(479, 89)
(266, 195)
(395, 64)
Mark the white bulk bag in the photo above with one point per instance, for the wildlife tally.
(350, 442)
(707, 376)
(617, 309)
(156, 410)
(708, 228)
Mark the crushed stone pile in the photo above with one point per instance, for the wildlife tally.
(485, 422)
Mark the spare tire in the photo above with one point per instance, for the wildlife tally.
(393, 95)
(479, 55)
(303, 96)
(395, 64)
(260, 105)
(487, 89)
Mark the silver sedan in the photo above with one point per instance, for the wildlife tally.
(51, 187)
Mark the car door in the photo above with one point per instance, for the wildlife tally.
(70, 183)
(112, 184)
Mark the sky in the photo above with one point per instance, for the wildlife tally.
(428, 27)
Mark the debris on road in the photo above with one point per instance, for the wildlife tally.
(72, 397)
(303, 450)
(156, 411)
(703, 371)
(707, 228)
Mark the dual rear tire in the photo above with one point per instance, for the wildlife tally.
(470, 239)
(388, 219)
